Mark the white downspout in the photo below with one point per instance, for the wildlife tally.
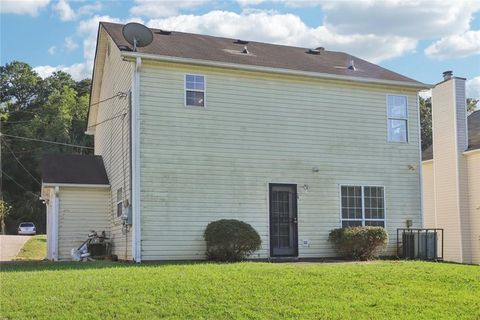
(135, 116)
(56, 217)
(49, 204)
(420, 163)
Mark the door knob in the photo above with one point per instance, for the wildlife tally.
(294, 220)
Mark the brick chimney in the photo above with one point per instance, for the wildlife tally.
(450, 140)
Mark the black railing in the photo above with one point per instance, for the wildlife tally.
(423, 244)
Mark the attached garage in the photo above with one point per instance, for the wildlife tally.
(76, 191)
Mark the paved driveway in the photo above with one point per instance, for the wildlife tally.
(10, 245)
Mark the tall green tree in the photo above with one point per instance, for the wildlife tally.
(54, 109)
(426, 122)
(472, 104)
(426, 118)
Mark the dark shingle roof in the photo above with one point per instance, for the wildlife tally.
(473, 122)
(73, 169)
(203, 47)
(427, 154)
(474, 130)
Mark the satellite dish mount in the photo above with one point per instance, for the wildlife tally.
(137, 35)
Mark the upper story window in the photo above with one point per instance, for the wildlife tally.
(194, 90)
(397, 118)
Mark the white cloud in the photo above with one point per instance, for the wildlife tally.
(52, 50)
(289, 3)
(89, 9)
(456, 46)
(64, 10)
(473, 88)
(78, 71)
(407, 18)
(245, 3)
(31, 7)
(70, 44)
(155, 8)
(286, 29)
(45, 71)
(426, 94)
(66, 13)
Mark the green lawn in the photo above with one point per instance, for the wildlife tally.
(372, 290)
(34, 249)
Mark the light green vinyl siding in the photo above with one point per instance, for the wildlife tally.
(200, 165)
(81, 210)
(112, 139)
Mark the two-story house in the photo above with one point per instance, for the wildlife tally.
(195, 128)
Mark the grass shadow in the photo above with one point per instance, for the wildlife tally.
(34, 266)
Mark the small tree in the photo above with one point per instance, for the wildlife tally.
(4, 210)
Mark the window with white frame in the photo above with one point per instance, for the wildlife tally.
(119, 202)
(363, 206)
(397, 118)
(194, 90)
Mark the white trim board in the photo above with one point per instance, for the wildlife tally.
(134, 55)
(471, 151)
(74, 185)
(135, 158)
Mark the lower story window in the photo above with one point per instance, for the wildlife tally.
(363, 206)
(119, 202)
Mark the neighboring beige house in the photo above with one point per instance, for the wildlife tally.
(295, 142)
(451, 172)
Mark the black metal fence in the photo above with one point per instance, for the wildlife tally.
(423, 244)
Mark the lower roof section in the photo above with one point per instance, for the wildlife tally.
(73, 169)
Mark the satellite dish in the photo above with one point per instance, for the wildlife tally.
(137, 35)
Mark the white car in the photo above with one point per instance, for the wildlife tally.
(27, 228)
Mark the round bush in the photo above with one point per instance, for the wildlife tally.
(230, 240)
(359, 243)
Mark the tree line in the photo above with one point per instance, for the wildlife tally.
(51, 109)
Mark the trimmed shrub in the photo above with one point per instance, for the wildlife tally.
(359, 243)
(230, 240)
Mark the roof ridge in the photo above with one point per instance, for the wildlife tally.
(226, 38)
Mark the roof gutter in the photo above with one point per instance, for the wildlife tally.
(74, 185)
(471, 151)
(133, 55)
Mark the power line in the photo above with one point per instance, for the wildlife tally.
(34, 149)
(14, 122)
(18, 184)
(119, 94)
(15, 157)
(45, 141)
(114, 117)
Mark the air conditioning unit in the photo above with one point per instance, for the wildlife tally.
(419, 245)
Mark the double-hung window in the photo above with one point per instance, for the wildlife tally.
(397, 118)
(194, 90)
(363, 206)
(119, 202)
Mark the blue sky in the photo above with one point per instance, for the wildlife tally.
(419, 39)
